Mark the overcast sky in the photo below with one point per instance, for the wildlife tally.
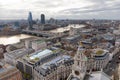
(60, 9)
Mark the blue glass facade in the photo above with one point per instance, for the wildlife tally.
(30, 21)
(42, 19)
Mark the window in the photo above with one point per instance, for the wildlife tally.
(78, 63)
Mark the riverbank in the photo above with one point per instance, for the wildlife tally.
(9, 33)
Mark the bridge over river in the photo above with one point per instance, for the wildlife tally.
(39, 33)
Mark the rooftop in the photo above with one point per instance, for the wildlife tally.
(7, 70)
(41, 54)
(55, 61)
(53, 64)
(19, 52)
(108, 36)
(72, 37)
(87, 30)
(99, 52)
(39, 41)
(5, 67)
(99, 76)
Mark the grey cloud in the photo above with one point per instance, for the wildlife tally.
(97, 7)
(101, 15)
(13, 14)
(101, 1)
(81, 10)
(100, 9)
(48, 4)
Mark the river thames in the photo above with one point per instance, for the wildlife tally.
(5, 40)
(67, 28)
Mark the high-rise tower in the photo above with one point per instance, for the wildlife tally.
(30, 20)
(42, 19)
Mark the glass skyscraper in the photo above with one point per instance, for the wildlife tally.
(42, 19)
(30, 20)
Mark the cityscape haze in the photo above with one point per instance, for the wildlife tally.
(59, 40)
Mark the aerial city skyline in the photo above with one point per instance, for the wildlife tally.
(59, 40)
(83, 9)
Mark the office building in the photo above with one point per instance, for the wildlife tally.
(79, 69)
(58, 68)
(101, 59)
(35, 43)
(38, 44)
(28, 42)
(71, 41)
(30, 21)
(42, 19)
(28, 63)
(97, 59)
(12, 56)
(8, 72)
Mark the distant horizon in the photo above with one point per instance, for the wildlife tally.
(54, 18)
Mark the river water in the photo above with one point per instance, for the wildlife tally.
(5, 40)
(58, 30)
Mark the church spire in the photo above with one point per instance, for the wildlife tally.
(80, 62)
